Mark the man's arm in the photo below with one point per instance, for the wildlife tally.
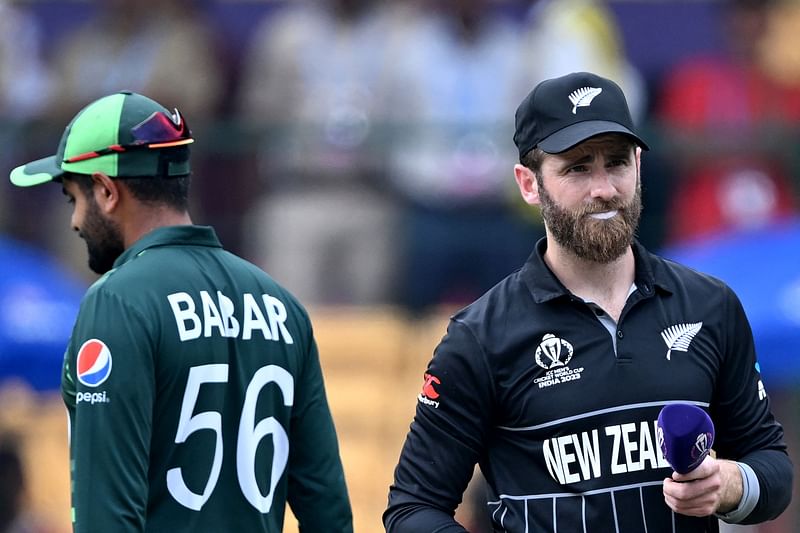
(317, 491)
(446, 438)
(419, 518)
(747, 431)
(111, 420)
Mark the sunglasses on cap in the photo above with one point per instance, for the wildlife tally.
(159, 130)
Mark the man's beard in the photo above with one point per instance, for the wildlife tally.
(103, 238)
(599, 241)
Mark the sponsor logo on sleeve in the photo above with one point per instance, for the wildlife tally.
(429, 395)
(93, 367)
(94, 363)
(762, 391)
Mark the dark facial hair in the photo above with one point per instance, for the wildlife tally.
(103, 238)
(599, 241)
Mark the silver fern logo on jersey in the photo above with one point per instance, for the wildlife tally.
(553, 352)
(583, 97)
(679, 337)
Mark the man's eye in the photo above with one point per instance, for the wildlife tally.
(578, 168)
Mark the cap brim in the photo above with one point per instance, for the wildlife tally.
(37, 172)
(566, 138)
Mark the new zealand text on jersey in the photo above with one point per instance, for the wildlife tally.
(633, 448)
(265, 314)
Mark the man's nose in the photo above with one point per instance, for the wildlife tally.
(602, 185)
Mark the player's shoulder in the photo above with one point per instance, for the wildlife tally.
(679, 277)
(162, 269)
(497, 307)
(246, 270)
(137, 275)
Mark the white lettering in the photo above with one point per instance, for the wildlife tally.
(427, 401)
(182, 315)
(559, 375)
(226, 309)
(662, 461)
(624, 456)
(92, 397)
(553, 462)
(277, 316)
(559, 456)
(219, 316)
(615, 432)
(588, 454)
(647, 450)
(253, 319)
(567, 458)
(630, 447)
(211, 315)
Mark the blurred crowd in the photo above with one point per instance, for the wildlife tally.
(360, 150)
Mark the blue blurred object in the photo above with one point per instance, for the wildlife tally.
(39, 301)
(763, 267)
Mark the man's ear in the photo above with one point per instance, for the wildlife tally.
(528, 186)
(638, 157)
(106, 192)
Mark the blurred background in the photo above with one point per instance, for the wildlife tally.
(361, 152)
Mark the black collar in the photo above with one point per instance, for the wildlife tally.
(650, 274)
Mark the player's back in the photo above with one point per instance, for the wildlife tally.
(230, 356)
(237, 385)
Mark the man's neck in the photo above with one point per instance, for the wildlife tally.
(606, 284)
(143, 221)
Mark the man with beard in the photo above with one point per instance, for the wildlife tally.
(552, 382)
(192, 380)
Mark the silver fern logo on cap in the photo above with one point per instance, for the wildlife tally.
(583, 97)
(679, 336)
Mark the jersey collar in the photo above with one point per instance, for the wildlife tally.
(545, 286)
(170, 236)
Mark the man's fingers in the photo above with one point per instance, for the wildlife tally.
(698, 497)
(707, 468)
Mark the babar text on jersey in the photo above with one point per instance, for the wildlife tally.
(204, 315)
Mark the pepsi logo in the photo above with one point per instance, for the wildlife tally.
(94, 363)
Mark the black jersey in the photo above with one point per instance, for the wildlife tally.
(560, 414)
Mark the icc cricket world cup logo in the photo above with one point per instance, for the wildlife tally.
(701, 444)
(553, 352)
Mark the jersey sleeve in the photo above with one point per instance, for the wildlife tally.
(747, 431)
(446, 437)
(109, 389)
(317, 490)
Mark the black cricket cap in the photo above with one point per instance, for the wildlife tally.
(562, 112)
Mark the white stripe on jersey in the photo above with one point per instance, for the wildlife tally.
(602, 412)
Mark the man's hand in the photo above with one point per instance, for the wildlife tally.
(713, 487)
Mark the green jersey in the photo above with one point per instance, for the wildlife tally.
(196, 398)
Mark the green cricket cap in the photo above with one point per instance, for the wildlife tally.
(121, 135)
